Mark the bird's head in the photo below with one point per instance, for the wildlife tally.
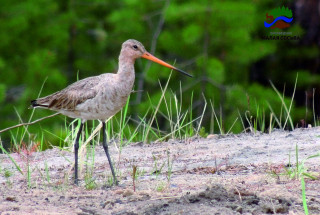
(133, 49)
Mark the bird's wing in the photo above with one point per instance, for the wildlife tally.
(70, 97)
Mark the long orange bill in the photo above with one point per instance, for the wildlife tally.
(149, 56)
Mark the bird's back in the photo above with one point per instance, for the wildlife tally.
(97, 97)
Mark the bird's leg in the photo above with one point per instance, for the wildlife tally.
(76, 148)
(105, 146)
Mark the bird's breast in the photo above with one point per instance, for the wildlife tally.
(110, 99)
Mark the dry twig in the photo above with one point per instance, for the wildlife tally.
(29, 123)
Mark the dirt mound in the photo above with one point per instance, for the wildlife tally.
(232, 174)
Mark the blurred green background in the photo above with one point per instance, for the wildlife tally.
(219, 42)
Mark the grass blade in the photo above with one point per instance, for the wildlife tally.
(11, 158)
(304, 200)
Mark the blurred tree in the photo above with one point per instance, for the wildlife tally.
(34, 35)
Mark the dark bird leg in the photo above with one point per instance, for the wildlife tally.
(76, 149)
(105, 146)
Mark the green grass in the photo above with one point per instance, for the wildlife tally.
(161, 186)
(300, 172)
(90, 182)
(304, 198)
(148, 127)
(157, 168)
(12, 160)
(214, 118)
(257, 118)
(125, 129)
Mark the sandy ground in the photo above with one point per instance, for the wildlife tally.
(232, 174)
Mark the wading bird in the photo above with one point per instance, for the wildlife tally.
(99, 97)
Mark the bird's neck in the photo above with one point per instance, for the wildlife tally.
(126, 67)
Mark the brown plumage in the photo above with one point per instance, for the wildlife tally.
(70, 97)
(99, 97)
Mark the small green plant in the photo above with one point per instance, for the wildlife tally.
(136, 173)
(12, 159)
(7, 174)
(90, 182)
(109, 182)
(316, 121)
(180, 124)
(202, 132)
(25, 154)
(287, 109)
(304, 198)
(156, 168)
(257, 120)
(161, 186)
(134, 177)
(214, 118)
(63, 183)
(190, 128)
(169, 165)
(148, 128)
(299, 169)
(299, 172)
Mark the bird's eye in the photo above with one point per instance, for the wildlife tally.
(135, 47)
